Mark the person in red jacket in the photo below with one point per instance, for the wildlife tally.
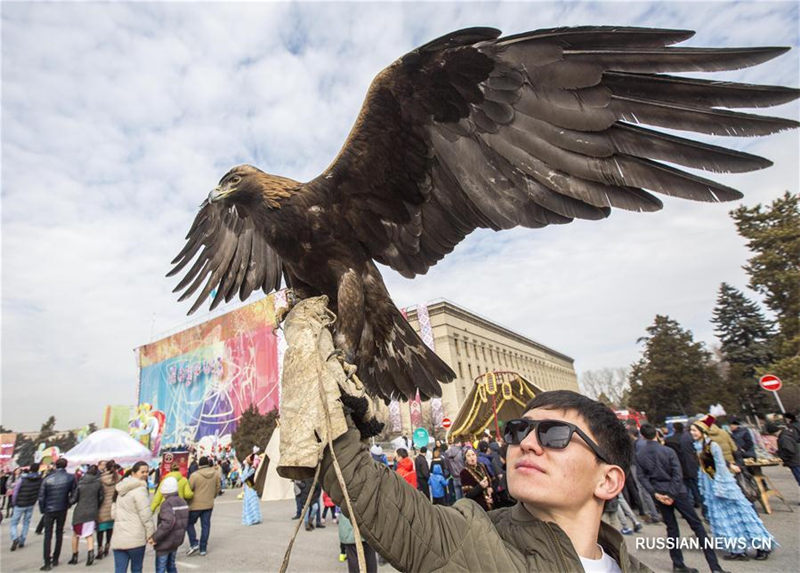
(405, 467)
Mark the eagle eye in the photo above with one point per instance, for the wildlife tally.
(235, 179)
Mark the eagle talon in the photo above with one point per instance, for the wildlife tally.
(348, 367)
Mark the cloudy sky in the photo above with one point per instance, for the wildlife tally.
(117, 119)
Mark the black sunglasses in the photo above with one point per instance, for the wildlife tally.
(553, 434)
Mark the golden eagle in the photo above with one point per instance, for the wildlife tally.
(476, 130)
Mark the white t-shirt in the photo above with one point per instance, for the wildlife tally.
(603, 565)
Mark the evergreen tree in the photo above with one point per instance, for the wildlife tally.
(745, 335)
(65, 442)
(773, 235)
(675, 374)
(47, 431)
(254, 429)
(24, 449)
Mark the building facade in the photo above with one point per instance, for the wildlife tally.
(472, 345)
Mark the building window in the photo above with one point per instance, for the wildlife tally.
(458, 350)
(466, 349)
(469, 367)
(460, 371)
(483, 349)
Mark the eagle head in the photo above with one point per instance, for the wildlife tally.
(248, 185)
(236, 184)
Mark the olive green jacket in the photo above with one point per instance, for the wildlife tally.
(414, 535)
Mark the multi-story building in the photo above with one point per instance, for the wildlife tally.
(473, 345)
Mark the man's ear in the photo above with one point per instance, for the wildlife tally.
(611, 483)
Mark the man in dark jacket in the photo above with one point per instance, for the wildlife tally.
(661, 476)
(743, 438)
(423, 471)
(788, 448)
(26, 492)
(173, 517)
(792, 423)
(683, 445)
(54, 501)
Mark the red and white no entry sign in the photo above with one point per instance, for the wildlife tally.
(446, 423)
(770, 382)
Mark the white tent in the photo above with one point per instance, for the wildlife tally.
(108, 444)
(275, 487)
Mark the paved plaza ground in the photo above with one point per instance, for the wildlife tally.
(239, 549)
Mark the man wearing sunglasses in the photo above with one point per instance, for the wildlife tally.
(566, 457)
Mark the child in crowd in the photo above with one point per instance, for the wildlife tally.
(173, 518)
(438, 485)
(328, 504)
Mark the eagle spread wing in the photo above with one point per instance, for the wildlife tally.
(235, 256)
(476, 130)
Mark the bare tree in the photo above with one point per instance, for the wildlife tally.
(610, 382)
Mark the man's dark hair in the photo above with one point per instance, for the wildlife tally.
(678, 427)
(734, 421)
(423, 450)
(648, 432)
(483, 447)
(603, 423)
(34, 467)
(61, 463)
(790, 418)
(174, 467)
(203, 461)
(402, 453)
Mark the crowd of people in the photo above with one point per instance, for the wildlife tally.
(114, 505)
(692, 470)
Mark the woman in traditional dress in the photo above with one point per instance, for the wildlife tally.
(730, 514)
(475, 481)
(251, 508)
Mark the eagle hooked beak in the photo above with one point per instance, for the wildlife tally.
(216, 194)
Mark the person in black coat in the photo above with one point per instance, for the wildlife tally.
(423, 471)
(25, 494)
(788, 448)
(661, 476)
(89, 498)
(744, 440)
(683, 445)
(54, 501)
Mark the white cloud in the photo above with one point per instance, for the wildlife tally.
(118, 118)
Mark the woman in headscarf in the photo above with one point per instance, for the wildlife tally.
(730, 514)
(475, 481)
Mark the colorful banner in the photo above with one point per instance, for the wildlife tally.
(7, 442)
(194, 385)
(169, 458)
(118, 417)
(426, 333)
